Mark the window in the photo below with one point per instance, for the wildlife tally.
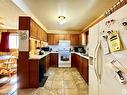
(13, 41)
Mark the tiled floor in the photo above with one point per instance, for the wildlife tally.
(61, 81)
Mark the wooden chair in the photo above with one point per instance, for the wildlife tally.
(10, 65)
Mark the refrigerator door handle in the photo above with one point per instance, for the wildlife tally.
(100, 62)
(96, 61)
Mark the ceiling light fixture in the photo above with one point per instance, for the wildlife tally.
(61, 19)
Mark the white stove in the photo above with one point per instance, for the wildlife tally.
(64, 59)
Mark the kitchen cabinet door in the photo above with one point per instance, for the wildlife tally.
(39, 36)
(80, 65)
(67, 36)
(77, 61)
(54, 60)
(37, 32)
(56, 39)
(47, 62)
(87, 35)
(33, 73)
(44, 36)
(74, 39)
(80, 39)
(85, 69)
(33, 30)
(73, 60)
(50, 39)
(61, 37)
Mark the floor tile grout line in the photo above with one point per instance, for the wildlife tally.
(74, 81)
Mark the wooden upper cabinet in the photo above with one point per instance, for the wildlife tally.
(33, 29)
(37, 32)
(53, 39)
(41, 36)
(87, 37)
(61, 36)
(56, 39)
(80, 39)
(45, 37)
(67, 36)
(50, 39)
(74, 39)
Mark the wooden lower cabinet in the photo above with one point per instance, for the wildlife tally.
(53, 60)
(33, 73)
(47, 58)
(22, 70)
(73, 56)
(81, 64)
(77, 64)
(85, 69)
(34, 70)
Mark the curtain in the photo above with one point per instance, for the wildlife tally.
(0, 36)
(4, 45)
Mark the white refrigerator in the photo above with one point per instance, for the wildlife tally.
(108, 55)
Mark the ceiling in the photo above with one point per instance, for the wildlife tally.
(9, 14)
(78, 13)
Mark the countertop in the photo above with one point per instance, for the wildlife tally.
(38, 56)
(47, 53)
(54, 52)
(84, 56)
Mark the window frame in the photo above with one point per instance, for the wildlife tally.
(17, 41)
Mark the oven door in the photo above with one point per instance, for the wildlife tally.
(64, 59)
